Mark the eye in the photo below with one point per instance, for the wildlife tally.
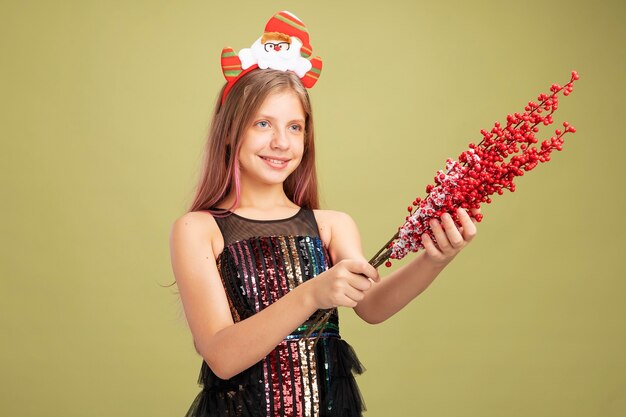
(297, 128)
(262, 123)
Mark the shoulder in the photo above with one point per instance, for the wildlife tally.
(333, 217)
(199, 223)
(339, 233)
(196, 227)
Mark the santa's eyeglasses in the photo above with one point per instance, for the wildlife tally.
(269, 46)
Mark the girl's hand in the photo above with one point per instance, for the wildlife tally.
(343, 285)
(450, 239)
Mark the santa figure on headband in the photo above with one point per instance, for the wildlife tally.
(283, 46)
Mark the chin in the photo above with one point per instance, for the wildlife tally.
(278, 178)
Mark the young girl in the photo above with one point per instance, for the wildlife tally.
(255, 258)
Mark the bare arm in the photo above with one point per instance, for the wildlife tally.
(228, 347)
(398, 289)
(394, 292)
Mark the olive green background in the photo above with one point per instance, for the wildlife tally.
(105, 108)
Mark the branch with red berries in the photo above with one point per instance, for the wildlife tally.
(505, 152)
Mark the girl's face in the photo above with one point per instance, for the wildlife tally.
(273, 143)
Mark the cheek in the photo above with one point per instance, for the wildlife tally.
(300, 147)
(247, 154)
(251, 146)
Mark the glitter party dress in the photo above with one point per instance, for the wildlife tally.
(262, 261)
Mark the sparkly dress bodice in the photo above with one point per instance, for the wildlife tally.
(263, 260)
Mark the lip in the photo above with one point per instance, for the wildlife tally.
(284, 162)
(277, 158)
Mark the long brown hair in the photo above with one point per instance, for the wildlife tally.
(220, 168)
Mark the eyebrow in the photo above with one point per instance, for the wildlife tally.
(265, 116)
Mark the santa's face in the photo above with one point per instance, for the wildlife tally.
(276, 46)
(277, 49)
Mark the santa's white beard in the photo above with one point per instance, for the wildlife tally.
(285, 59)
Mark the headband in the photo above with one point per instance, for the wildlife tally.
(284, 46)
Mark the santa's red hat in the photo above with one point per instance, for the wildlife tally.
(289, 24)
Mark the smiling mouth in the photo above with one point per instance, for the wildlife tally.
(275, 161)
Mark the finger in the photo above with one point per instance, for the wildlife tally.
(440, 235)
(348, 302)
(364, 268)
(354, 294)
(452, 233)
(429, 246)
(474, 211)
(360, 282)
(372, 273)
(468, 224)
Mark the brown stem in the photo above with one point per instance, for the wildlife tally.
(318, 323)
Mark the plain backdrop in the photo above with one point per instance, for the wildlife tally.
(105, 109)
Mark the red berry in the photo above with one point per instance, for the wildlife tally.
(387, 264)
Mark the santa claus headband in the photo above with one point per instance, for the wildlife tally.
(283, 46)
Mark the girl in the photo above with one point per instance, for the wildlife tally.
(255, 258)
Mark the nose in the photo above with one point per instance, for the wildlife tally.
(277, 48)
(279, 139)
